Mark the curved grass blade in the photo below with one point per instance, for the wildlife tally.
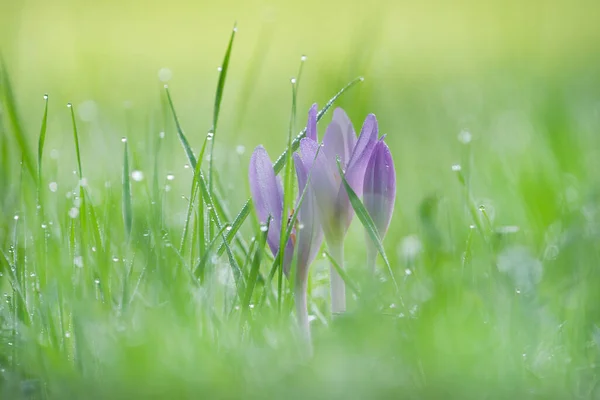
(198, 270)
(245, 211)
(217, 107)
(367, 222)
(186, 146)
(76, 139)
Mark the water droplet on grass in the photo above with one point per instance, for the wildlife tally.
(44, 226)
(73, 212)
(137, 175)
(69, 105)
(83, 182)
(53, 186)
(407, 272)
(456, 168)
(93, 249)
(123, 139)
(161, 134)
(115, 259)
(293, 80)
(465, 137)
(264, 228)
(16, 217)
(219, 69)
(303, 58)
(78, 261)
(67, 334)
(167, 188)
(170, 177)
(240, 149)
(165, 74)
(228, 228)
(210, 135)
(186, 166)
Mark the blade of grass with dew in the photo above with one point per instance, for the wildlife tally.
(127, 209)
(193, 193)
(41, 140)
(205, 193)
(199, 268)
(254, 271)
(217, 108)
(288, 192)
(245, 211)
(10, 107)
(367, 222)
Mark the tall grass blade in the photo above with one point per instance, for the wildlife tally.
(127, 208)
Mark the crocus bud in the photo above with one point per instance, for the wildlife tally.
(379, 191)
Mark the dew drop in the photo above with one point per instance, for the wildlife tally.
(161, 134)
(115, 259)
(264, 228)
(456, 168)
(186, 166)
(362, 78)
(97, 281)
(170, 177)
(44, 226)
(165, 74)
(167, 188)
(210, 135)
(303, 58)
(465, 137)
(67, 334)
(166, 86)
(123, 139)
(83, 182)
(73, 212)
(93, 249)
(228, 228)
(240, 149)
(45, 96)
(69, 105)
(78, 261)
(219, 69)
(407, 272)
(53, 186)
(137, 176)
(518, 291)
(293, 80)
(16, 217)
(300, 225)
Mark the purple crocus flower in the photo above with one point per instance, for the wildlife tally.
(306, 237)
(335, 210)
(379, 192)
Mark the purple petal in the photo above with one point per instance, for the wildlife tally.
(362, 153)
(309, 235)
(311, 125)
(325, 183)
(380, 187)
(267, 194)
(340, 138)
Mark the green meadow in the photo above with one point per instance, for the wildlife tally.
(132, 266)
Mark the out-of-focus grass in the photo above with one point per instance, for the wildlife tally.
(498, 264)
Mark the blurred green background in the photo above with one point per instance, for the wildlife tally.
(510, 307)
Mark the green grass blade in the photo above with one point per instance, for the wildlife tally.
(76, 139)
(42, 138)
(127, 209)
(254, 271)
(184, 142)
(10, 108)
(347, 280)
(217, 107)
(367, 222)
(245, 211)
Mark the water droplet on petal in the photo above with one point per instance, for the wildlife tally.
(264, 228)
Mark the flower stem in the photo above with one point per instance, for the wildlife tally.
(371, 256)
(302, 309)
(338, 286)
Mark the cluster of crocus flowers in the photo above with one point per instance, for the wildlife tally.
(326, 210)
